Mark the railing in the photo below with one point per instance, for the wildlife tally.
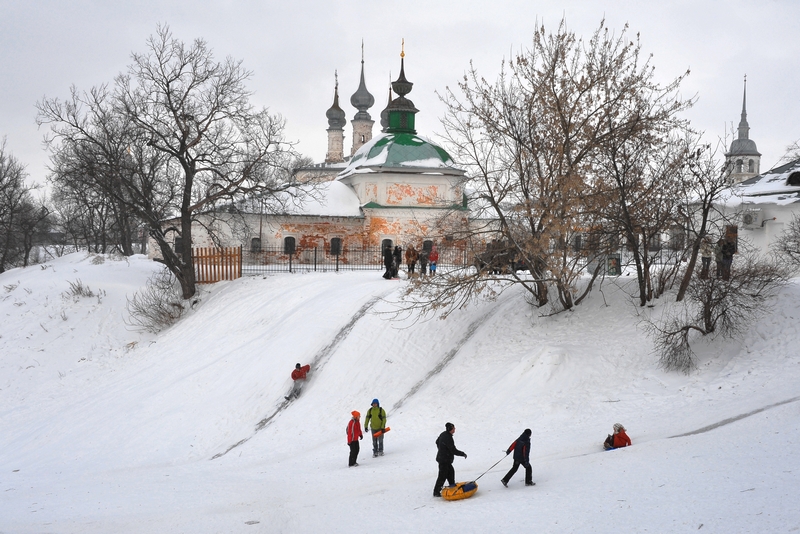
(320, 259)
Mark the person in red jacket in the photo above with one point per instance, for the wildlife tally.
(353, 435)
(434, 259)
(522, 451)
(619, 439)
(299, 377)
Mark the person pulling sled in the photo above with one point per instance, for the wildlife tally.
(522, 451)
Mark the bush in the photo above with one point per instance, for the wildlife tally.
(717, 307)
(77, 289)
(158, 305)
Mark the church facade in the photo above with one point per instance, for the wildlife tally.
(395, 188)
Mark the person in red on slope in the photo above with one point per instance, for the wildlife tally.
(353, 435)
(619, 439)
(299, 377)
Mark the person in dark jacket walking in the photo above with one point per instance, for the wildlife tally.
(522, 451)
(353, 435)
(446, 453)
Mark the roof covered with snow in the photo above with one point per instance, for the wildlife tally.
(780, 185)
(403, 151)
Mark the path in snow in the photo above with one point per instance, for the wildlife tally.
(317, 363)
(734, 419)
(448, 357)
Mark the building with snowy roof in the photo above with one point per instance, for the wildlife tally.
(396, 188)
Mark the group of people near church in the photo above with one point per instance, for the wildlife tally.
(393, 259)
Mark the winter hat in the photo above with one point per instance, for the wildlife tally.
(527, 432)
(618, 427)
(375, 401)
(297, 366)
(356, 414)
(449, 426)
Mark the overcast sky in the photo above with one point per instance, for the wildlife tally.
(294, 47)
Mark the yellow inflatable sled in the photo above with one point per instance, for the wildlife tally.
(461, 490)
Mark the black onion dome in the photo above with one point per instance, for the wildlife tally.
(336, 115)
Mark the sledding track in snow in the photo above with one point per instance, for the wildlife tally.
(448, 357)
(317, 363)
(734, 419)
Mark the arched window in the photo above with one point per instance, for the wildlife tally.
(336, 246)
(427, 245)
(738, 165)
(793, 179)
(178, 245)
(255, 245)
(576, 243)
(289, 245)
(387, 243)
(751, 165)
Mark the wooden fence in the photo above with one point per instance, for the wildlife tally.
(213, 264)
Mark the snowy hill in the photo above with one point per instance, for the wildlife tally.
(107, 429)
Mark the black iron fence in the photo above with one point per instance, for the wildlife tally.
(320, 259)
(354, 258)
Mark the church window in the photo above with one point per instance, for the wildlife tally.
(576, 243)
(427, 245)
(289, 245)
(255, 245)
(738, 165)
(387, 243)
(363, 138)
(751, 165)
(793, 179)
(178, 245)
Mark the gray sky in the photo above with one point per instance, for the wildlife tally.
(294, 47)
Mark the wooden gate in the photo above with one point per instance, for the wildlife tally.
(213, 264)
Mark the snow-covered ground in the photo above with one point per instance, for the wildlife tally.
(106, 429)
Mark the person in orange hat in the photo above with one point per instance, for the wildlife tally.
(353, 435)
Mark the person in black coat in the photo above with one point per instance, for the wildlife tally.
(397, 257)
(446, 453)
(388, 262)
(522, 451)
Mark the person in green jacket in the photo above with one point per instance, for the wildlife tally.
(376, 421)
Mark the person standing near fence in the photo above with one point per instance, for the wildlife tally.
(397, 256)
(388, 262)
(411, 259)
(434, 258)
(423, 262)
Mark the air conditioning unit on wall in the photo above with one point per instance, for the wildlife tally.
(751, 218)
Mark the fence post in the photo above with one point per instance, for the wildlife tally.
(315, 259)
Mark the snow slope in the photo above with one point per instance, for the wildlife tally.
(107, 429)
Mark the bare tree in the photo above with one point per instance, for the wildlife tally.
(532, 141)
(706, 177)
(788, 244)
(22, 219)
(175, 137)
(715, 306)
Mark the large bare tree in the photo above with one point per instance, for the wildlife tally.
(533, 142)
(174, 136)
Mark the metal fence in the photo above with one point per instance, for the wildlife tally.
(320, 259)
